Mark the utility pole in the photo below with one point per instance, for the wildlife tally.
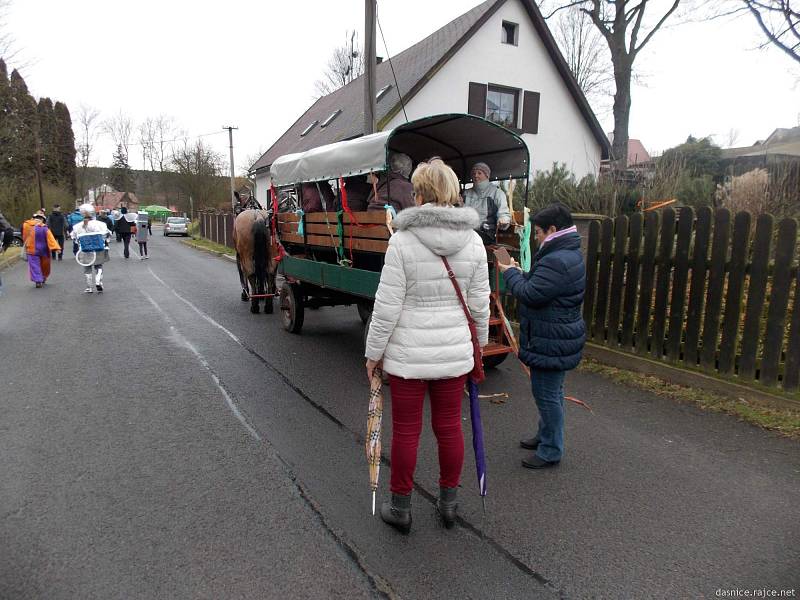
(230, 139)
(39, 170)
(370, 12)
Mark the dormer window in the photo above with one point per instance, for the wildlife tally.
(330, 118)
(382, 92)
(510, 33)
(308, 129)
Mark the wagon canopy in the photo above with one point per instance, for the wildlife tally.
(460, 140)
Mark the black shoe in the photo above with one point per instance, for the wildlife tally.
(447, 506)
(529, 443)
(534, 462)
(397, 513)
(100, 289)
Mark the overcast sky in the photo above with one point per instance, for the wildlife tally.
(254, 64)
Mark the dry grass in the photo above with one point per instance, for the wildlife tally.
(785, 421)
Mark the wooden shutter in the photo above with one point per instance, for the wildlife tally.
(476, 104)
(530, 112)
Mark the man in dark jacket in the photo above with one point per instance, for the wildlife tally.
(6, 233)
(552, 331)
(103, 216)
(123, 228)
(57, 223)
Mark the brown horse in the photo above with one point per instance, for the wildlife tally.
(251, 238)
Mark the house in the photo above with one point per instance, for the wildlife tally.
(499, 61)
(115, 200)
(782, 147)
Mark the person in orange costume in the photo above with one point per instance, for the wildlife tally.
(39, 243)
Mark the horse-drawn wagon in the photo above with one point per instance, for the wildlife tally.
(334, 257)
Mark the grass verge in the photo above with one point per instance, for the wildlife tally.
(203, 244)
(785, 421)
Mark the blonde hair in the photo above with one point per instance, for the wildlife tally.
(436, 182)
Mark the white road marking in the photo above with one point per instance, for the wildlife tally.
(203, 315)
(205, 364)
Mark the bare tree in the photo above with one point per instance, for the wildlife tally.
(119, 128)
(146, 139)
(622, 25)
(345, 64)
(779, 22)
(586, 53)
(165, 134)
(198, 170)
(8, 50)
(87, 135)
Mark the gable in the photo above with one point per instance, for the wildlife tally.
(415, 68)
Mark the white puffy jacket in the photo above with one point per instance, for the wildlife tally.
(418, 325)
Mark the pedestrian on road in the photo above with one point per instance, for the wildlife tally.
(73, 219)
(39, 243)
(142, 234)
(57, 223)
(102, 215)
(419, 332)
(552, 329)
(124, 227)
(91, 225)
(6, 233)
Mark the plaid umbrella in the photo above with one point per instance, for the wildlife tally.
(477, 438)
(373, 441)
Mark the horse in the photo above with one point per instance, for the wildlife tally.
(251, 238)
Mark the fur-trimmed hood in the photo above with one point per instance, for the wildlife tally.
(444, 230)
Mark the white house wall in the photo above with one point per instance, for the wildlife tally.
(564, 136)
(262, 189)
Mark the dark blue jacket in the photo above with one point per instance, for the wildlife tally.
(552, 331)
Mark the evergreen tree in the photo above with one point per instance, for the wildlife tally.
(5, 120)
(47, 143)
(64, 140)
(24, 124)
(121, 173)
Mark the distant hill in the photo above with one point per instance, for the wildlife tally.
(152, 187)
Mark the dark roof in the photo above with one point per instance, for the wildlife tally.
(413, 67)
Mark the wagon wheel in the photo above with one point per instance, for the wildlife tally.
(292, 307)
(490, 362)
(364, 310)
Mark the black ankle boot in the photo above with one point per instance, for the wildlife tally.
(447, 506)
(397, 513)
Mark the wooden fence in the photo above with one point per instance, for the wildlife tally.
(706, 291)
(709, 291)
(217, 227)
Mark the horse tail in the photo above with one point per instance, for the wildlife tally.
(261, 240)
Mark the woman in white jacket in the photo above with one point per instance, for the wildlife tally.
(419, 333)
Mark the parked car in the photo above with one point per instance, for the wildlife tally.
(17, 241)
(176, 226)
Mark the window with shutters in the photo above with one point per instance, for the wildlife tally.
(510, 33)
(502, 105)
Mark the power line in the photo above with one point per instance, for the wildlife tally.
(391, 66)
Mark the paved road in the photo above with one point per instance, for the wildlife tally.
(159, 441)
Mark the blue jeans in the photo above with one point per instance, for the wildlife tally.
(548, 391)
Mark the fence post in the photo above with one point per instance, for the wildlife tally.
(778, 301)
(733, 301)
(680, 278)
(694, 315)
(664, 270)
(603, 279)
(632, 279)
(756, 291)
(617, 279)
(646, 289)
(591, 274)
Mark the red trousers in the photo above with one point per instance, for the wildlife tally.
(408, 396)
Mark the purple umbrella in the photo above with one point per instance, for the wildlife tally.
(477, 438)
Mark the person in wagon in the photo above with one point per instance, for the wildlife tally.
(394, 189)
(39, 243)
(312, 201)
(93, 273)
(489, 200)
